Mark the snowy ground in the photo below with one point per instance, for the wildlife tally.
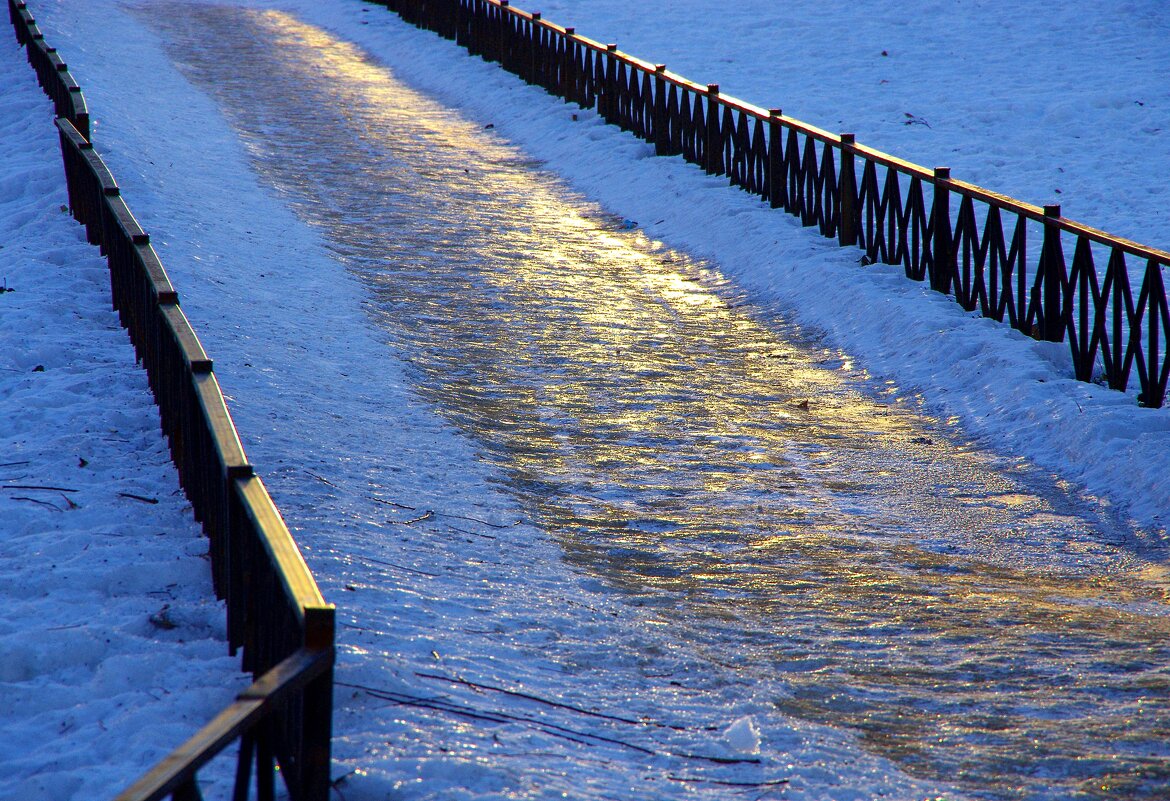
(310, 384)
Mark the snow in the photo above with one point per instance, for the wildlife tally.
(1023, 100)
(743, 736)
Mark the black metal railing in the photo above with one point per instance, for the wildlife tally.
(276, 613)
(992, 253)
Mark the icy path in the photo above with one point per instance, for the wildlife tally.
(833, 557)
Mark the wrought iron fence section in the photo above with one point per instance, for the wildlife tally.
(964, 240)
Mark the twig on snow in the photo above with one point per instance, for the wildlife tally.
(37, 500)
(914, 119)
(547, 702)
(322, 479)
(397, 566)
(138, 497)
(722, 783)
(36, 487)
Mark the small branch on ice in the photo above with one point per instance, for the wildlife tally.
(718, 760)
(473, 533)
(484, 522)
(576, 757)
(35, 500)
(392, 503)
(322, 479)
(440, 705)
(428, 515)
(359, 628)
(132, 496)
(398, 567)
(552, 729)
(547, 702)
(36, 487)
(13, 464)
(772, 783)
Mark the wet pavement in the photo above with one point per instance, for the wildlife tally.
(972, 619)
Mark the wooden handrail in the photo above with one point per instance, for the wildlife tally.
(192, 350)
(279, 544)
(255, 703)
(220, 425)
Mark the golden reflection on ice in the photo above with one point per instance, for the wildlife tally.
(851, 556)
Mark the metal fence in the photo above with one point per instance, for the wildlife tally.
(52, 72)
(992, 253)
(275, 612)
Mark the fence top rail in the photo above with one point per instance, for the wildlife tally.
(72, 134)
(156, 274)
(1041, 214)
(129, 225)
(298, 582)
(197, 360)
(218, 420)
(974, 191)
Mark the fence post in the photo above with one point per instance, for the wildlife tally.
(533, 48)
(1053, 276)
(777, 181)
(714, 148)
(569, 77)
(317, 714)
(608, 102)
(661, 123)
(847, 193)
(501, 19)
(940, 273)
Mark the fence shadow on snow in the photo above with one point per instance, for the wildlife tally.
(275, 612)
